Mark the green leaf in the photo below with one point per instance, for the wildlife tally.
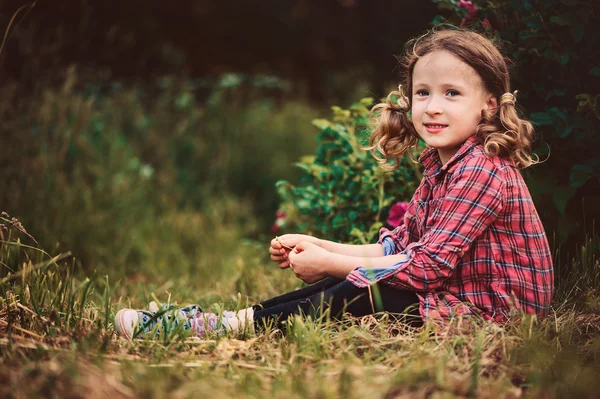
(560, 20)
(324, 150)
(561, 197)
(580, 174)
(328, 134)
(438, 19)
(367, 101)
(337, 172)
(303, 166)
(321, 123)
(282, 183)
(532, 22)
(563, 59)
(338, 220)
(566, 131)
(541, 118)
(526, 34)
(303, 192)
(577, 32)
(560, 114)
(359, 109)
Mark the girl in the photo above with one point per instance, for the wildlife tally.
(471, 243)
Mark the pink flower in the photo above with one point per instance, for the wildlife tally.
(279, 221)
(471, 8)
(471, 11)
(396, 215)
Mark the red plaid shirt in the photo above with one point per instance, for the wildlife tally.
(474, 241)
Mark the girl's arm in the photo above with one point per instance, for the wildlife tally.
(289, 241)
(362, 251)
(340, 266)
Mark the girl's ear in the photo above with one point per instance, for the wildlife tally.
(491, 103)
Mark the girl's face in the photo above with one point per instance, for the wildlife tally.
(447, 99)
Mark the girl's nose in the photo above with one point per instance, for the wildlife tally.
(433, 107)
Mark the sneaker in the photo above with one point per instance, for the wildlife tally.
(133, 323)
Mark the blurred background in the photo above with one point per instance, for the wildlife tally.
(146, 137)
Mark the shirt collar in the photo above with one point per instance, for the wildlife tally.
(433, 165)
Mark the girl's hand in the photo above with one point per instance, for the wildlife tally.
(283, 245)
(309, 262)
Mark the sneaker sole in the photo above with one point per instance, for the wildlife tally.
(121, 324)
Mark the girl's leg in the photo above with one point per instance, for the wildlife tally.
(330, 294)
(343, 296)
(244, 317)
(301, 293)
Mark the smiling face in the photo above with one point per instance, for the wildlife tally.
(447, 99)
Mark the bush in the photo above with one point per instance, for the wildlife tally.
(344, 194)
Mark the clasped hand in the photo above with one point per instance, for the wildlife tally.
(302, 255)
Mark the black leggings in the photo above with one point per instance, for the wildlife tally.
(338, 296)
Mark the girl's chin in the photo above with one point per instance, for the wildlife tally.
(434, 142)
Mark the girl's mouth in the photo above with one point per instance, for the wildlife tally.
(434, 127)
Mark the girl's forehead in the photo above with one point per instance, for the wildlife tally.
(444, 67)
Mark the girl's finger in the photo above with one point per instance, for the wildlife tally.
(275, 243)
(282, 243)
(281, 254)
(284, 265)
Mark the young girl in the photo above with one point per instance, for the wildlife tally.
(471, 243)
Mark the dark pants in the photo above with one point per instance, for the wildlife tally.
(337, 296)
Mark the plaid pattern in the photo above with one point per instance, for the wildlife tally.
(474, 241)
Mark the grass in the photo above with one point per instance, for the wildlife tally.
(57, 338)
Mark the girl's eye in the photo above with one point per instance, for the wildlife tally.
(421, 93)
(453, 93)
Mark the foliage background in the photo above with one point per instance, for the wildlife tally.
(120, 134)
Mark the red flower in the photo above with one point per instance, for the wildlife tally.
(279, 221)
(471, 11)
(396, 215)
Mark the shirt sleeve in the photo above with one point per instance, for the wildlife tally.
(473, 201)
(391, 239)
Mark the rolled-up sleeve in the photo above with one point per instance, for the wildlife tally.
(472, 202)
(391, 239)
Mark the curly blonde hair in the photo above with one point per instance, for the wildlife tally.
(501, 131)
